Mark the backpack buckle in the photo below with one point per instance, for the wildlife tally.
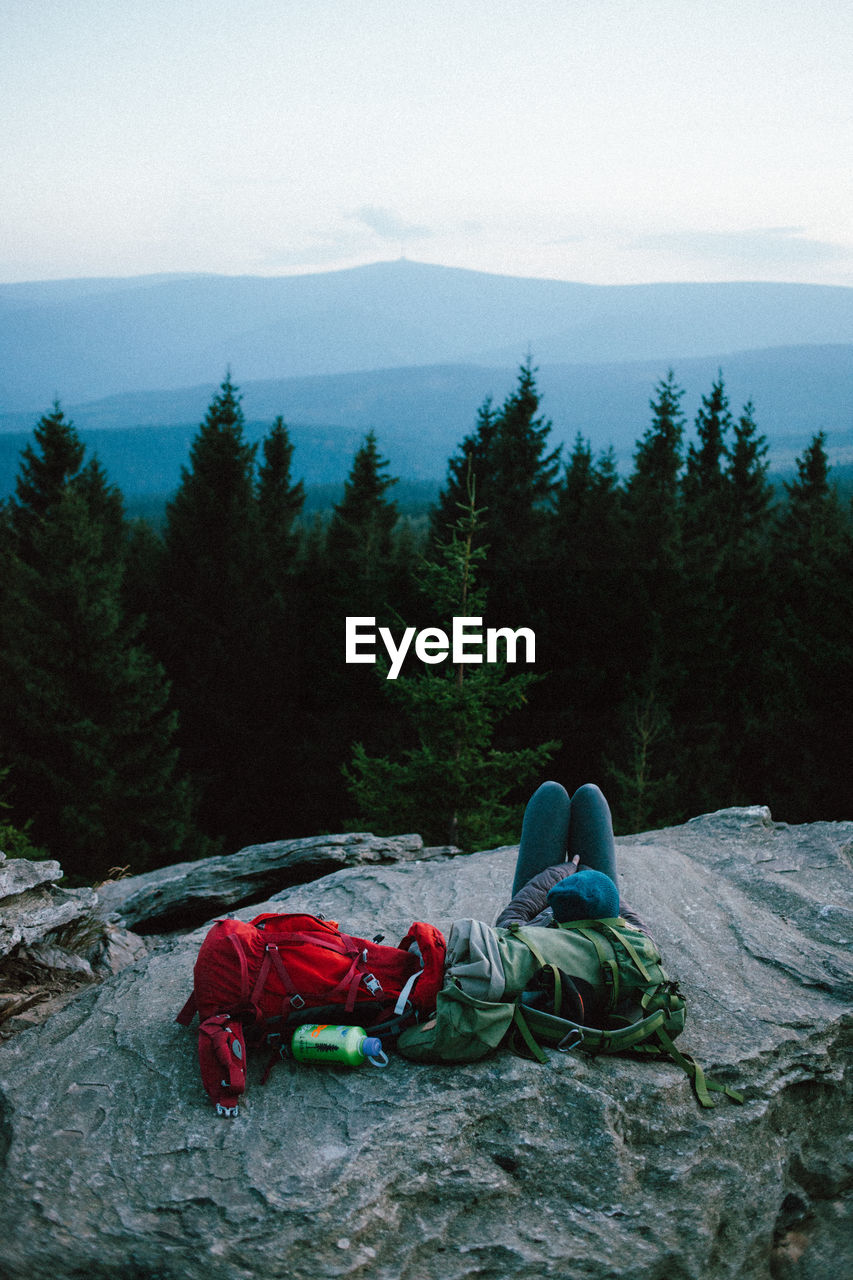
(374, 986)
(296, 1002)
(571, 1040)
(222, 1110)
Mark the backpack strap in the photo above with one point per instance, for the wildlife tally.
(273, 960)
(350, 982)
(702, 1086)
(521, 1027)
(188, 1012)
(563, 985)
(646, 1037)
(609, 967)
(565, 1035)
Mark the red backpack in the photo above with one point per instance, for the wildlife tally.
(255, 982)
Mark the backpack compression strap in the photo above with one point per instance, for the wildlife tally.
(646, 1037)
(352, 979)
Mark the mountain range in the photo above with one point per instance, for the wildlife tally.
(411, 351)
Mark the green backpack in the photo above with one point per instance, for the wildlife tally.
(639, 1010)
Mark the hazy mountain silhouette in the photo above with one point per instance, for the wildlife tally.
(82, 340)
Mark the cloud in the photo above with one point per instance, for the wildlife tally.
(758, 245)
(388, 224)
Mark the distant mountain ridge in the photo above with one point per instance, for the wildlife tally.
(86, 340)
(421, 414)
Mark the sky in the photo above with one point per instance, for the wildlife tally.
(603, 141)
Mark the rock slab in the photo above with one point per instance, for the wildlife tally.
(112, 1161)
(187, 893)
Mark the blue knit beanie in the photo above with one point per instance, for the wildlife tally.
(586, 895)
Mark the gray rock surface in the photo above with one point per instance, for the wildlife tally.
(188, 893)
(19, 874)
(52, 942)
(113, 1163)
(32, 906)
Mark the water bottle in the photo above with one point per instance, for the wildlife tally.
(337, 1045)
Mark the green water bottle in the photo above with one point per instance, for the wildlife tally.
(337, 1045)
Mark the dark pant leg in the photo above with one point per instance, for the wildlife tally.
(543, 833)
(591, 831)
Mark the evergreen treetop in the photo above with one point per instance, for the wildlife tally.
(706, 459)
(750, 492)
(657, 457)
(46, 467)
(359, 536)
(280, 500)
(213, 510)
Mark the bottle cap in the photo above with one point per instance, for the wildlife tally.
(371, 1046)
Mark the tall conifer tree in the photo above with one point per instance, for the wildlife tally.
(356, 578)
(704, 470)
(211, 624)
(809, 744)
(280, 498)
(705, 667)
(518, 500)
(283, 641)
(653, 505)
(588, 622)
(85, 715)
(359, 540)
(516, 477)
(747, 605)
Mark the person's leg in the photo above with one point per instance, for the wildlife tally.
(590, 832)
(543, 833)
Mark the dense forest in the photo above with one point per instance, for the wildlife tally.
(171, 692)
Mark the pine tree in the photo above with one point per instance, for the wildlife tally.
(86, 722)
(654, 672)
(700, 699)
(210, 627)
(809, 739)
(653, 487)
(750, 494)
(280, 500)
(211, 523)
(283, 639)
(452, 786)
(641, 787)
(654, 513)
(359, 542)
(587, 630)
(519, 499)
(46, 468)
(746, 602)
(516, 479)
(704, 477)
(354, 574)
